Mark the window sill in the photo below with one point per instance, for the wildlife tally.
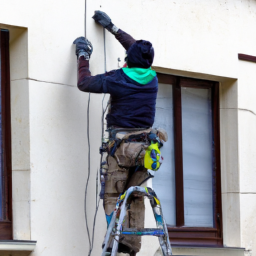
(209, 251)
(22, 247)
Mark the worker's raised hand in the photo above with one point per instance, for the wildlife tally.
(83, 47)
(104, 20)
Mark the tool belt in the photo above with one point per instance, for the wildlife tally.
(137, 147)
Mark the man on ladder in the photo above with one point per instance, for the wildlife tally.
(133, 90)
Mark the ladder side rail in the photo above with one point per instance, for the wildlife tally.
(124, 207)
(109, 231)
(160, 223)
(167, 242)
(168, 248)
(120, 221)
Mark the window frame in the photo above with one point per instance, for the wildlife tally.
(194, 236)
(6, 225)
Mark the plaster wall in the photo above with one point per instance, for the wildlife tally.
(191, 38)
(247, 136)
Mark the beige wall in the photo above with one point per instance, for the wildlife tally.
(191, 38)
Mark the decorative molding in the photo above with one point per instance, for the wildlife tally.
(246, 57)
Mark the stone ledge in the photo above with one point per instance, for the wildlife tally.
(16, 247)
(205, 251)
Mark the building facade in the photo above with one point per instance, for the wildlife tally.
(206, 102)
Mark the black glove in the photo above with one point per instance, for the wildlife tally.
(104, 20)
(83, 47)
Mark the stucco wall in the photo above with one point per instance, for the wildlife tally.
(193, 38)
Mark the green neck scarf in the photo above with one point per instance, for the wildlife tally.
(140, 75)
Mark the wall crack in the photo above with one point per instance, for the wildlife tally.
(42, 81)
(243, 109)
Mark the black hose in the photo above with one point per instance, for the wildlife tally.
(89, 152)
(91, 240)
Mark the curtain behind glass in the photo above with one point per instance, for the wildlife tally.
(164, 180)
(197, 157)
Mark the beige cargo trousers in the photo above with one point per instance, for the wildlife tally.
(125, 169)
(118, 180)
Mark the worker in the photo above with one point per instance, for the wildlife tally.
(133, 91)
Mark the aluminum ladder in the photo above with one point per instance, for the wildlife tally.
(115, 227)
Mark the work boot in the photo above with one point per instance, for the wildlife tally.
(123, 248)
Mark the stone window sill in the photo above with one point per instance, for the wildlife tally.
(209, 251)
(16, 247)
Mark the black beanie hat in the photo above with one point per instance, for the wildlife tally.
(140, 54)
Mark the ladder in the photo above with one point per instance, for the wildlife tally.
(115, 226)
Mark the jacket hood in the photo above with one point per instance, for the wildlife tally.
(140, 75)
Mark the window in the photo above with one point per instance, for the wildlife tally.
(188, 183)
(5, 140)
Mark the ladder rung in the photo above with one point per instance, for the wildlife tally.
(143, 232)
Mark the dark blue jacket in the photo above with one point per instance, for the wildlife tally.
(132, 104)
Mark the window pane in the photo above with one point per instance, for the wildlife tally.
(164, 180)
(197, 157)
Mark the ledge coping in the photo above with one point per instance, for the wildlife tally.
(209, 251)
(17, 245)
